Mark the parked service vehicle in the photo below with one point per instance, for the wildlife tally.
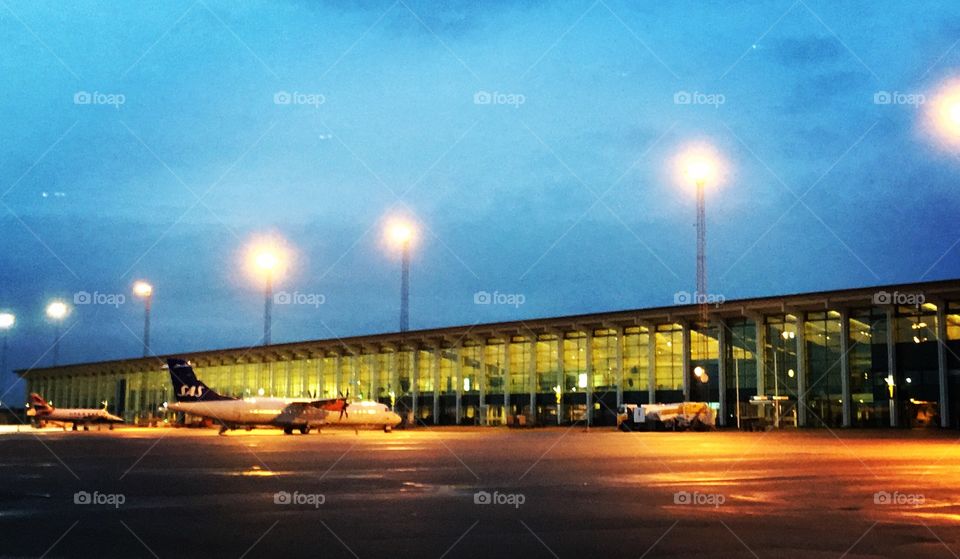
(698, 416)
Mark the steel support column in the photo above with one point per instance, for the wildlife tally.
(892, 368)
(620, 375)
(761, 354)
(337, 369)
(375, 376)
(561, 381)
(802, 369)
(507, 412)
(687, 369)
(533, 379)
(589, 390)
(944, 404)
(722, 370)
(845, 367)
(482, 382)
(415, 385)
(458, 379)
(652, 365)
(437, 356)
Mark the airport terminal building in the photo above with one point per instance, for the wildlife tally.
(866, 357)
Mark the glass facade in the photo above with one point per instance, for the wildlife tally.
(740, 367)
(824, 387)
(668, 377)
(829, 366)
(869, 392)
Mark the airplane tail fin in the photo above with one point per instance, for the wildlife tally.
(39, 403)
(186, 386)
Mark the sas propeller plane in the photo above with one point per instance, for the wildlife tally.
(196, 398)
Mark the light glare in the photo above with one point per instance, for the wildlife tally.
(142, 289)
(699, 164)
(57, 310)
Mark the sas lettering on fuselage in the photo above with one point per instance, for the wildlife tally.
(193, 391)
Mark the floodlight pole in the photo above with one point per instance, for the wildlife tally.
(405, 287)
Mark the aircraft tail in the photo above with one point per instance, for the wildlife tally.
(186, 386)
(39, 404)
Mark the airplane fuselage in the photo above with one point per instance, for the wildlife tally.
(288, 412)
(78, 415)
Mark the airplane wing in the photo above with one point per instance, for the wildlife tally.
(329, 404)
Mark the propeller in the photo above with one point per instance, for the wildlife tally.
(346, 404)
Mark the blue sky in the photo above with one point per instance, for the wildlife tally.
(563, 188)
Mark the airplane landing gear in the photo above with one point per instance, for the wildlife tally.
(223, 430)
(305, 430)
(74, 427)
(86, 427)
(387, 429)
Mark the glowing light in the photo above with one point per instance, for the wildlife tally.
(791, 373)
(57, 310)
(260, 392)
(7, 320)
(582, 380)
(700, 164)
(698, 371)
(400, 232)
(142, 289)
(266, 261)
(700, 171)
(943, 113)
(268, 258)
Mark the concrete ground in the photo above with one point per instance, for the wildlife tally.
(553, 492)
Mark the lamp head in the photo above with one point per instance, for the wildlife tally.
(57, 310)
(142, 289)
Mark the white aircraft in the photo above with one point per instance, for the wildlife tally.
(42, 413)
(198, 399)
